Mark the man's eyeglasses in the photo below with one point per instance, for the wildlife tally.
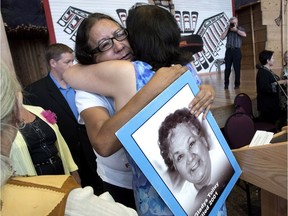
(108, 43)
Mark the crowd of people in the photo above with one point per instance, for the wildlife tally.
(59, 132)
(98, 74)
(46, 194)
(51, 93)
(51, 100)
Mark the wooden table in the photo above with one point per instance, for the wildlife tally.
(266, 167)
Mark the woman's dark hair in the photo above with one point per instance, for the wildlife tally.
(264, 56)
(170, 122)
(154, 37)
(82, 47)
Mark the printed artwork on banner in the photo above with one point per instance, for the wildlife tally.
(194, 18)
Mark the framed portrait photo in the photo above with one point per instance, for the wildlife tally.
(186, 159)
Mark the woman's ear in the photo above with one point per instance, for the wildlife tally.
(52, 63)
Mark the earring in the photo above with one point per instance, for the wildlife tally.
(20, 124)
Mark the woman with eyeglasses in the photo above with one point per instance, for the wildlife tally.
(103, 32)
(154, 37)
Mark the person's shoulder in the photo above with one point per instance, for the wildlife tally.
(36, 91)
(85, 100)
(83, 95)
(263, 71)
(142, 64)
(32, 107)
(142, 68)
(80, 93)
(37, 110)
(37, 84)
(260, 70)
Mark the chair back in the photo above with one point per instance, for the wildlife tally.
(243, 100)
(243, 103)
(239, 130)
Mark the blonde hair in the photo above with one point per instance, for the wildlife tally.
(10, 109)
(8, 93)
(10, 87)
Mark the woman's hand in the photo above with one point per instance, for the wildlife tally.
(202, 101)
(283, 82)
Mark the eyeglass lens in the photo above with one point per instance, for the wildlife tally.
(108, 43)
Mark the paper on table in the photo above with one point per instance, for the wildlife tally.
(261, 138)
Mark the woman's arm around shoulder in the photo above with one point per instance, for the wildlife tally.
(105, 137)
(112, 78)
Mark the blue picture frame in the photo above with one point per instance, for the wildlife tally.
(139, 138)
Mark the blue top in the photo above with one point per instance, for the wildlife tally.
(68, 94)
(148, 201)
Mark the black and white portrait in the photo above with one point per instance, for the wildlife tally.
(185, 153)
(185, 158)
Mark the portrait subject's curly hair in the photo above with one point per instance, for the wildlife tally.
(170, 122)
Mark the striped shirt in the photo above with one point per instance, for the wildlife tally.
(234, 40)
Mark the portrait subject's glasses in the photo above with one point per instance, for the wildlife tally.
(108, 43)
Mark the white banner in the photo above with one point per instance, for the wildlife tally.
(205, 18)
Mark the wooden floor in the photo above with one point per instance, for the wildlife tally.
(223, 103)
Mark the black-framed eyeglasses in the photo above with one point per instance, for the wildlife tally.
(108, 43)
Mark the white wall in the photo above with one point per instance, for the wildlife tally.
(206, 18)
